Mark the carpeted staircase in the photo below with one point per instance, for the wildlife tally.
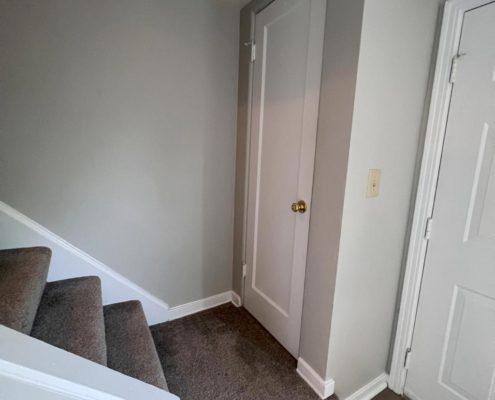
(69, 314)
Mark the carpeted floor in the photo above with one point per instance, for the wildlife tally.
(225, 354)
(388, 395)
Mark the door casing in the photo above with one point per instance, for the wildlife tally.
(244, 116)
(448, 46)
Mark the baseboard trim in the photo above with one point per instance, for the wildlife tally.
(323, 388)
(371, 389)
(203, 304)
(236, 299)
(115, 286)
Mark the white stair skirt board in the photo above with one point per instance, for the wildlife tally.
(323, 388)
(371, 389)
(204, 304)
(17, 230)
(26, 374)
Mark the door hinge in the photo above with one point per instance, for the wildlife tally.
(453, 67)
(244, 270)
(429, 224)
(252, 46)
(407, 358)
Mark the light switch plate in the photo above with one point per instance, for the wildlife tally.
(373, 183)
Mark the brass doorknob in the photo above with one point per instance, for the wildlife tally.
(300, 207)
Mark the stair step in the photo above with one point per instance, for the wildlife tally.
(130, 346)
(23, 275)
(70, 316)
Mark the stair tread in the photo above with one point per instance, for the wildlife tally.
(23, 275)
(70, 316)
(130, 346)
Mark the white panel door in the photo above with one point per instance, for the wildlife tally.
(453, 349)
(286, 84)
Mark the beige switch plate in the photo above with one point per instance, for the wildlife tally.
(373, 183)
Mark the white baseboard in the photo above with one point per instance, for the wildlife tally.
(371, 389)
(17, 230)
(203, 304)
(236, 299)
(323, 388)
(68, 261)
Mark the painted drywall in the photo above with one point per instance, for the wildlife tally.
(394, 62)
(117, 132)
(338, 83)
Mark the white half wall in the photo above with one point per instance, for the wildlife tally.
(25, 374)
(17, 230)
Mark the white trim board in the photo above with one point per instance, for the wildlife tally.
(430, 165)
(371, 389)
(323, 388)
(236, 299)
(17, 230)
(204, 304)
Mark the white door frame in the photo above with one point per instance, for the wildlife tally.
(255, 7)
(435, 131)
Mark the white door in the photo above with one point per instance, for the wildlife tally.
(453, 349)
(286, 84)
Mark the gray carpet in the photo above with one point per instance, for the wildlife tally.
(219, 354)
(225, 354)
(130, 347)
(388, 395)
(22, 280)
(70, 316)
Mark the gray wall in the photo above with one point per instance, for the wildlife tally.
(394, 62)
(117, 132)
(338, 84)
